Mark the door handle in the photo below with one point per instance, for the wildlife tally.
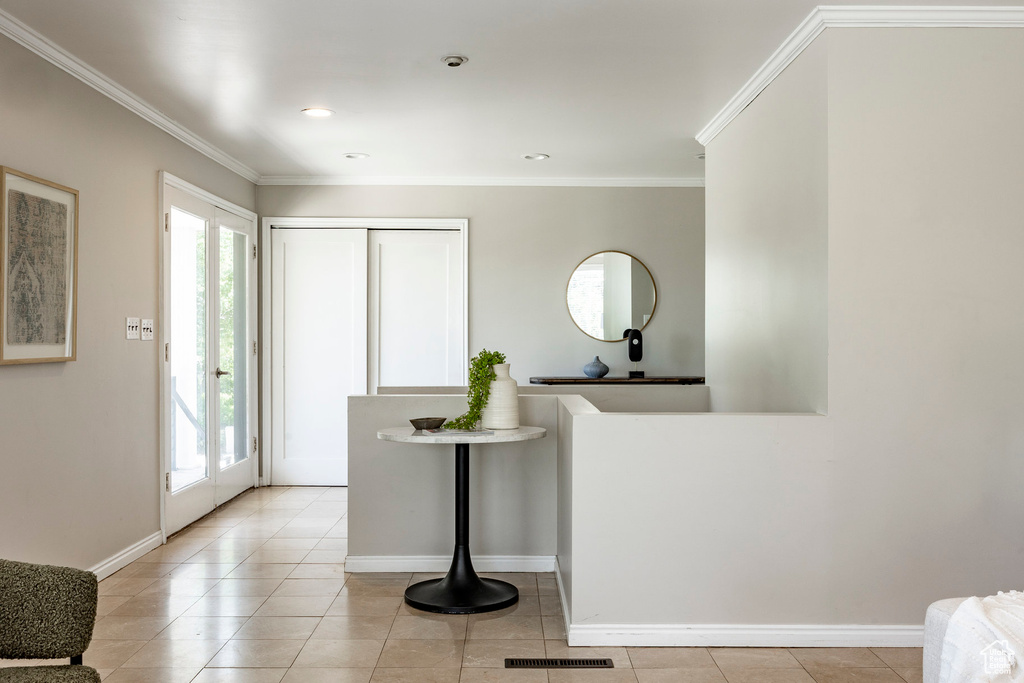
(220, 373)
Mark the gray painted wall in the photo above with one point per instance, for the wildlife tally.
(402, 496)
(925, 301)
(767, 247)
(912, 493)
(524, 243)
(79, 441)
(718, 519)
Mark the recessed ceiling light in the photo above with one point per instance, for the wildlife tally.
(317, 112)
(536, 157)
(454, 60)
(356, 155)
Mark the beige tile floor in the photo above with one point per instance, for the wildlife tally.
(257, 592)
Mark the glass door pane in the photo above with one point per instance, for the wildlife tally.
(188, 312)
(209, 368)
(233, 347)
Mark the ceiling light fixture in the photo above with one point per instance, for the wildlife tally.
(536, 157)
(454, 60)
(356, 155)
(317, 112)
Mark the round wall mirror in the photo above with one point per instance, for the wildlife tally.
(609, 293)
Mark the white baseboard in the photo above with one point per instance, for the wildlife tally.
(127, 556)
(734, 635)
(658, 635)
(441, 563)
(744, 635)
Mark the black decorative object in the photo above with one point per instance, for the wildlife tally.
(635, 349)
(635, 341)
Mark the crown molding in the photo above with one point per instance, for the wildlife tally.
(829, 16)
(790, 49)
(53, 53)
(482, 182)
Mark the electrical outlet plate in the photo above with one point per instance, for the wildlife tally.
(147, 329)
(131, 328)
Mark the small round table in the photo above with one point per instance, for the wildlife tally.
(461, 591)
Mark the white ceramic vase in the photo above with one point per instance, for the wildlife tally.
(502, 409)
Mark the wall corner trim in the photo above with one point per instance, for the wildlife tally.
(845, 16)
(744, 635)
(28, 38)
(441, 563)
(566, 607)
(127, 556)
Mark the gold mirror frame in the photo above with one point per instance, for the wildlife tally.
(654, 286)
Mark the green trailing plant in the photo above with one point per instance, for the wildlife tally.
(480, 375)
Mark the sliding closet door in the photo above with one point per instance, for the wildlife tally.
(319, 315)
(351, 306)
(417, 317)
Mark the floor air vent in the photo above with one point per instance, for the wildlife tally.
(523, 663)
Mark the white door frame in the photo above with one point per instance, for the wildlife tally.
(168, 180)
(459, 224)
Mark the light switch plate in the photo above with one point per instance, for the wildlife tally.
(131, 328)
(147, 329)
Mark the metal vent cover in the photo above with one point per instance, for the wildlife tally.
(558, 663)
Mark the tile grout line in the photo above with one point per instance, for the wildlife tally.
(809, 674)
(717, 666)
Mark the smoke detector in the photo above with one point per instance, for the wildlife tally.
(454, 60)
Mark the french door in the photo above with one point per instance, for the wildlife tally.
(208, 380)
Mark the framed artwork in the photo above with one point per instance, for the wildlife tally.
(38, 269)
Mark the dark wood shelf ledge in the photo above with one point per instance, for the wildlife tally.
(616, 380)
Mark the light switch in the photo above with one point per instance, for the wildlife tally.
(147, 329)
(131, 328)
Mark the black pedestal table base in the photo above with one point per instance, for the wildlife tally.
(461, 591)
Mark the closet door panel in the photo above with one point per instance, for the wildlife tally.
(319, 351)
(416, 309)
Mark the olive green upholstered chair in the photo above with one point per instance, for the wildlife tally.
(46, 613)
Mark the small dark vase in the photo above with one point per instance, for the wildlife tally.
(595, 368)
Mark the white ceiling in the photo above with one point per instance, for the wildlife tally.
(611, 89)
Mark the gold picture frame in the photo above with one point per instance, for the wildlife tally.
(38, 270)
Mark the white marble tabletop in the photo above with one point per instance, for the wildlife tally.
(410, 435)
